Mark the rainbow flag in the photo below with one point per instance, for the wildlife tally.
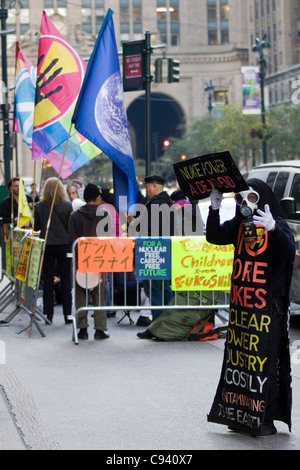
(25, 75)
(60, 74)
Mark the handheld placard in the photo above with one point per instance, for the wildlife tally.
(197, 175)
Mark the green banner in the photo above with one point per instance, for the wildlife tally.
(34, 265)
(199, 265)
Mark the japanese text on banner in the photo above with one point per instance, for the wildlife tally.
(96, 255)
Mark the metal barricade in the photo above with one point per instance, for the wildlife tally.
(219, 300)
(20, 292)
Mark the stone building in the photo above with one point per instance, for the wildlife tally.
(212, 39)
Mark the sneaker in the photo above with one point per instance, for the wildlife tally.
(83, 333)
(111, 314)
(145, 335)
(99, 334)
(143, 321)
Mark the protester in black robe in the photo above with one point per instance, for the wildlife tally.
(255, 383)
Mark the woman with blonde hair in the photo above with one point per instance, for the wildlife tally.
(57, 245)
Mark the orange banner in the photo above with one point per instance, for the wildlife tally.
(97, 255)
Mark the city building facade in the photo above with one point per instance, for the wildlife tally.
(212, 39)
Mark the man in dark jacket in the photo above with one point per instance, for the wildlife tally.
(157, 221)
(83, 223)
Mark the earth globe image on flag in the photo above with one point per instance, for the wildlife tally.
(110, 114)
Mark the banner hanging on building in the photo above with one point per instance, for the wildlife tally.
(251, 90)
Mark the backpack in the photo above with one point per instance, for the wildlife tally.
(206, 331)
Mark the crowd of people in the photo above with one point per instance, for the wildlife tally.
(73, 214)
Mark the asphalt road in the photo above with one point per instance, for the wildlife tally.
(119, 394)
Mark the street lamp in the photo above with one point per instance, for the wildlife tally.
(261, 50)
(209, 88)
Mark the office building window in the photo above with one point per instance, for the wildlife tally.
(168, 21)
(86, 12)
(212, 22)
(224, 18)
(137, 19)
(218, 21)
(18, 19)
(175, 23)
(99, 14)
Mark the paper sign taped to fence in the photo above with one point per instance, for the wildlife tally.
(152, 258)
(199, 265)
(98, 255)
(197, 175)
(19, 235)
(34, 265)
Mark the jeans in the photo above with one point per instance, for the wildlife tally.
(157, 290)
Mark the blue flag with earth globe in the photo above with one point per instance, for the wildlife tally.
(100, 114)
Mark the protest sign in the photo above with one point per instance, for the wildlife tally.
(24, 259)
(244, 383)
(34, 264)
(197, 175)
(17, 246)
(97, 255)
(152, 258)
(199, 265)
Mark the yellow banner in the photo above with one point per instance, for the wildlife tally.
(199, 265)
(24, 213)
(23, 262)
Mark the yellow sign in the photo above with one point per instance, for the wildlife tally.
(199, 265)
(24, 213)
(23, 262)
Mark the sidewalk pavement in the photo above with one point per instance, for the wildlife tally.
(121, 393)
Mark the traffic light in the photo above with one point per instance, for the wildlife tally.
(183, 157)
(173, 70)
(158, 70)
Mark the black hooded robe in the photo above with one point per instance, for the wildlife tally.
(255, 383)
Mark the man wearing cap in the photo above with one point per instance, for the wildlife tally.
(83, 223)
(150, 223)
(157, 223)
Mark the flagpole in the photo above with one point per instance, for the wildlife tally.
(33, 197)
(12, 216)
(12, 180)
(47, 232)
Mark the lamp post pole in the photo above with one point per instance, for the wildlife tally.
(261, 48)
(4, 106)
(209, 88)
(148, 80)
